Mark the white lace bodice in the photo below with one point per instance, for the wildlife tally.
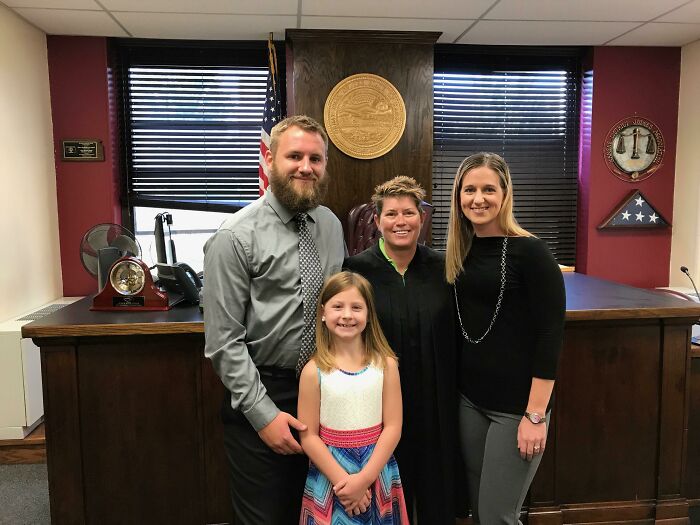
(351, 400)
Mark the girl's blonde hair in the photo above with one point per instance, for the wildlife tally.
(376, 347)
(461, 231)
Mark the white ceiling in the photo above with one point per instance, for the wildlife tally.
(516, 22)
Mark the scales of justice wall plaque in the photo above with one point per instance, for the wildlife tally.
(634, 149)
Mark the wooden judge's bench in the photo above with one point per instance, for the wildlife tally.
(133, 433)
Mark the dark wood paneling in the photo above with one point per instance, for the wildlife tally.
(607, 414)
(321, 59)
(141, 430)
(134, 435)
(59, 373)
(542, 490)
(673, 400)
(215, 463)
(692, 471)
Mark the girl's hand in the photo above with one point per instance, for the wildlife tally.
(351, 490)
(531, 438)
(361, 506)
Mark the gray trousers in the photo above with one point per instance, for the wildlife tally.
(497, 477)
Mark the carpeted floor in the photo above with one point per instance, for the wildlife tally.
(24, 495)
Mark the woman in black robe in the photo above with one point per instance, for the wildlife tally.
(415, 310)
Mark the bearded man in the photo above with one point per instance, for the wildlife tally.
(259, 317)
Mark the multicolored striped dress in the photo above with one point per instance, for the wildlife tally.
(350, 425)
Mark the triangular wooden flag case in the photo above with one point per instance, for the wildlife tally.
(634, 212)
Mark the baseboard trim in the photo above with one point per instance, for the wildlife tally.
(28, 451)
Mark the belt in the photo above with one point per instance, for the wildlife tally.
(275, 372)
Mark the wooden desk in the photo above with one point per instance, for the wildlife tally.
(133, 432)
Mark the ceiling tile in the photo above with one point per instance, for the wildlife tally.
(89, 5)
(71, 22)
(576, 10)
(269, 7)
(206, 27)
(450, 29)
(689, 13)
(660, 34)
(552, 33)
(397, 8)
(516, 22)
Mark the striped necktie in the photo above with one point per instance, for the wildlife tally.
(311, 282)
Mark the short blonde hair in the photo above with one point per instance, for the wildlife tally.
(299, 121)
(377, 349)
(461, 231)
(399, 186)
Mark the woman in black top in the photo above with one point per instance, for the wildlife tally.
(510, 298)
(415, 309)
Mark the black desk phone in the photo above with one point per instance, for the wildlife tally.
(180, 278)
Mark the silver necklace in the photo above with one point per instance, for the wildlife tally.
(498, 302)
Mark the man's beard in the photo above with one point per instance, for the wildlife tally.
(297, 201)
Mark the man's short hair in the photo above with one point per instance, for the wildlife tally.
(300, 121)
(400, 186)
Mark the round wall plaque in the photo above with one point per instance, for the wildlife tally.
(365, 116)
(634, 149)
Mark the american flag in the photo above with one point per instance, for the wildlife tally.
(634, 211)
(272, 114)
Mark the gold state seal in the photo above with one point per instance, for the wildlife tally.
(365, 116)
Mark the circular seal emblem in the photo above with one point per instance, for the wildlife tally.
(365, 116)
(634, 149)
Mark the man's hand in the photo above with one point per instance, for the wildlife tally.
(277, 436)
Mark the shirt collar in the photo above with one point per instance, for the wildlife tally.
(282, 212)
(415, 260)
(386, 255)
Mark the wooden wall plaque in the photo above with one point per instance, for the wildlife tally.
(318, 59)
(82, 150)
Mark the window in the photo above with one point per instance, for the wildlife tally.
(195, 134)
(192, 114)
(525, 109)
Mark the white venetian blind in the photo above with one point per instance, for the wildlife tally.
(194, 135)
(529, 117)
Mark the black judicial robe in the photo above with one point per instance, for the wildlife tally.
(416, 313)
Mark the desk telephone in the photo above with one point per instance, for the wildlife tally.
(180, 278)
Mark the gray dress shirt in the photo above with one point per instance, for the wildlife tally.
(253, 312)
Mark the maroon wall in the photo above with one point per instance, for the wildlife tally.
(627, 81)
(87, 191)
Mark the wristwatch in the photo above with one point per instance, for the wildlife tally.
(535, 418)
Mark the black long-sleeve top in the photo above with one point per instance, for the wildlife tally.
(417, 316)
(526, 339)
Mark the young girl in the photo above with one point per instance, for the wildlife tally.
(350, 400)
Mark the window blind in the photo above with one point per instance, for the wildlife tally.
(529, 116)
(193, 135)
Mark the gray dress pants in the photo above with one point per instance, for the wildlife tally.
(497, 477)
